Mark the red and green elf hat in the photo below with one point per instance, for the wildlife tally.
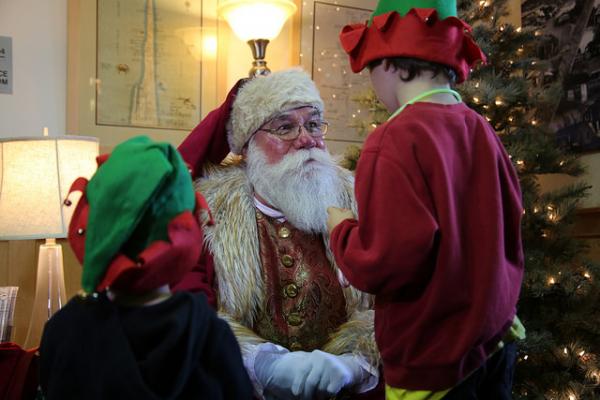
(422, 29)
(135, 227)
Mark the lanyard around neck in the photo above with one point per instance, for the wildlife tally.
(423, 95)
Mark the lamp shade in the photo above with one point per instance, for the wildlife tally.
(256, 19)
(35, 176)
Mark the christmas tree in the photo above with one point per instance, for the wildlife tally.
(560, 299)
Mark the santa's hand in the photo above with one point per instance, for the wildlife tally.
(336, 215)
(278, 372)
(329, 374)
(302, 375)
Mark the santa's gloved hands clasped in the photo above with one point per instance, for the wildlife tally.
(303, 375)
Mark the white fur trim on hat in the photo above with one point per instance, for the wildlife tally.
(263, 97)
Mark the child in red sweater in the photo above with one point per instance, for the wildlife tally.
(437, 238)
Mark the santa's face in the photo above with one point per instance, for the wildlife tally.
(275, 148)
(301, 184)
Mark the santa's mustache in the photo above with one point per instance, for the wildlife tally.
(306, 159)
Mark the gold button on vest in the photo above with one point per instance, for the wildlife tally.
(290, 290)
(295, 346)
(294, 319)
(284, 233)
(287, 260)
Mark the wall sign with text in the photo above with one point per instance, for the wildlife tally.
(6, 76)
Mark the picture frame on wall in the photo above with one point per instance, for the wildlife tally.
(140, 67)
(322, 55)
(569, 38)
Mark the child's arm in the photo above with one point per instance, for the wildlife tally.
(391, 245)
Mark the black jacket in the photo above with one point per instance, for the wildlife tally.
(177, 349)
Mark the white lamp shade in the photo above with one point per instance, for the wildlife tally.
(259, 19)
(35, 176)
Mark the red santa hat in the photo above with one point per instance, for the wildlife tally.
(263, 97)
(248, 106)
(208, 140)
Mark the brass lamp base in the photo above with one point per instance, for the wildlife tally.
(259, 65)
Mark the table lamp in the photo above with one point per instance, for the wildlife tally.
(257, 22)
(35, 176)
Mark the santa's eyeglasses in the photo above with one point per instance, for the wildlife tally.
(289, 131)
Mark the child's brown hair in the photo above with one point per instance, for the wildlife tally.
(415, 67)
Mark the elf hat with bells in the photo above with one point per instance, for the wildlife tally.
(136, 226)
(427, 30)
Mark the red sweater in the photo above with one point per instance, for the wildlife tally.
(437, 241)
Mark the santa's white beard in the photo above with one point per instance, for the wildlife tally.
(301, 190)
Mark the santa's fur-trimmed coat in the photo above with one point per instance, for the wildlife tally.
(234, 244)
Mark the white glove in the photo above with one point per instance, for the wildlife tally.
(274, 372)
(329, 374)
(302, 375)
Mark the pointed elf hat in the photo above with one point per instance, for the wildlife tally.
(427, 30)
(135, 227)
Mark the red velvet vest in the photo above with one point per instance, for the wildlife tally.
(304, 300)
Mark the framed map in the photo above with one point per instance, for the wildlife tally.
(140, 67)
(322, 55)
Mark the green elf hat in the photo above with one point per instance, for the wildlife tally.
(444, 8)
(134, 228)
(427, 30)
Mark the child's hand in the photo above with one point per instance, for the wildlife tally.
(337, 215)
